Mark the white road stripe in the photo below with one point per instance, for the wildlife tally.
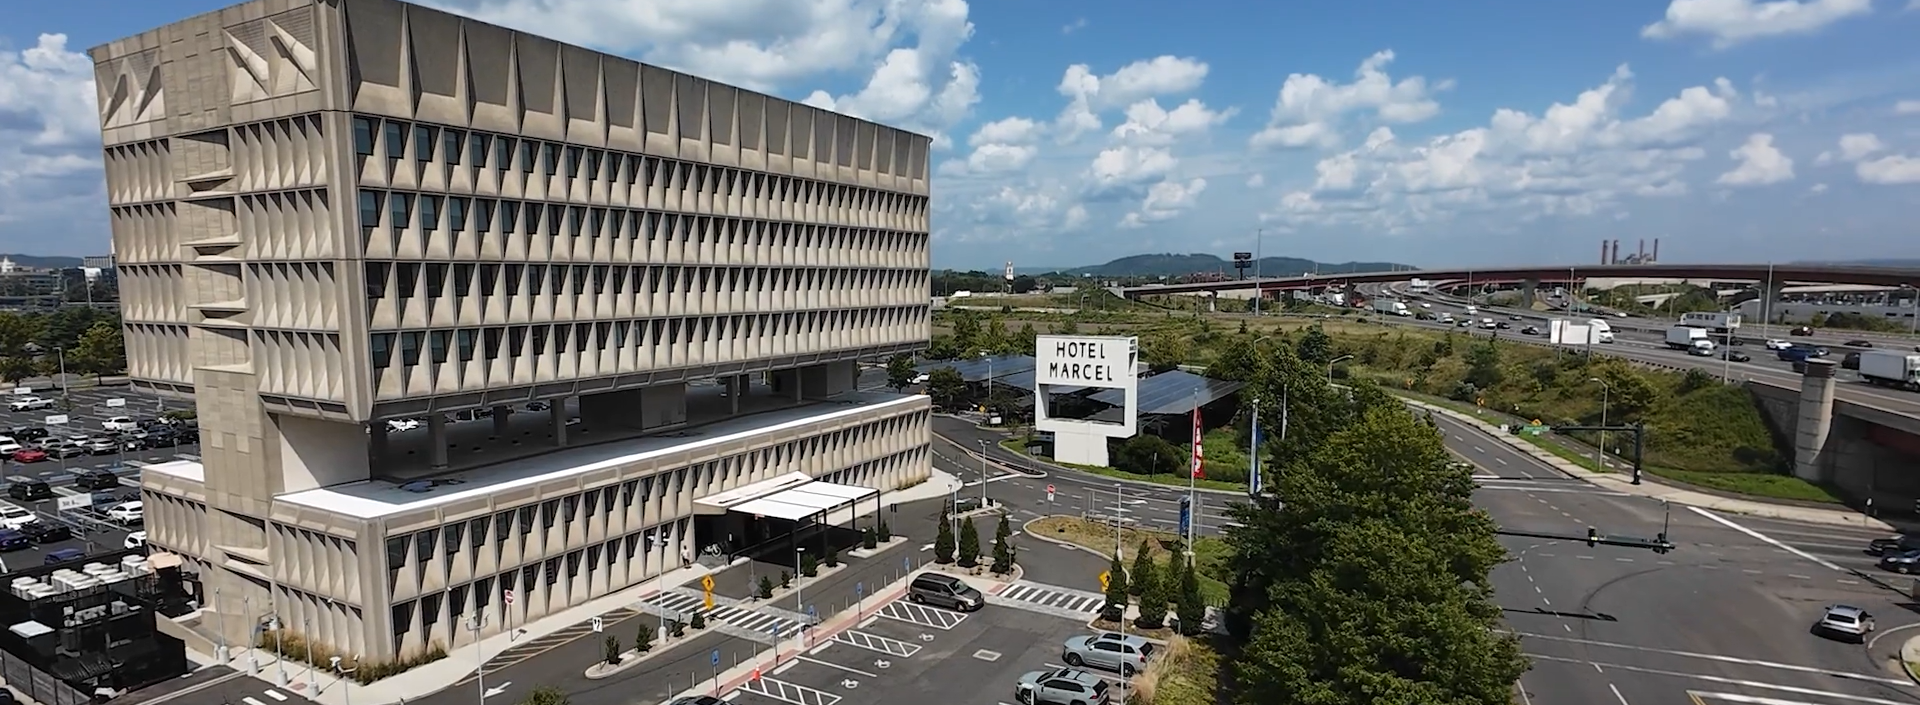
(1899, 682)
(1727, 681)
(1616, 694)
(1763, 537)
(276, 695)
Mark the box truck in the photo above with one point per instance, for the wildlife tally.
(1390, 307)
(1891, 368)
(1687, 337)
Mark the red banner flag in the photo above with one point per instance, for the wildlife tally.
(1199, 452)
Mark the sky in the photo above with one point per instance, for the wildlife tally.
(1073, 132)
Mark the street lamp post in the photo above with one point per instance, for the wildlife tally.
(475, 623)
(219, 626)
(983, 474)
(798, 606)
(1335, 361)
(341, 672)
(1606, 391)
(66, 400)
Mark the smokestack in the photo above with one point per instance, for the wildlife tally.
(1603, 252)
(1641, 256)
(1656, 249)
(1613, 257)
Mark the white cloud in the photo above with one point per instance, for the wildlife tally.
(1761, 163)
(50, 149)
(1854, 147)
(1309, 109)
(1164, 201)
(1818, 188)
(1907, 107)
(1128, 165)
(1074, 26)
(1890, 169)
(1730, 22)
(1001, 146)
(910, 47)
(1089, 95)
(1148, 123)
(1256, 181)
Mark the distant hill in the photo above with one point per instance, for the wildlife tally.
(1172, 265)
(44, 262)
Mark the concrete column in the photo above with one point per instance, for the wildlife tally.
(377, 437)
(736, 386)
(1528, 290)
(558, 412)
(500, 414)
(437, 440)
(1815, 421)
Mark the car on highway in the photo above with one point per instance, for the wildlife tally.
(1893, 544)
(13, 517)
(1125, 654)
(137, 539)
(1061, 686)
(1514, 317)
(945, 591)
(1733, 355)
(1465, 323)
(1900, 561)
(43, 532)
(1530, 330)
(1850, 362)
(1844, 622)
(1778, 344)
(11, 540)
(1503, 325)
(29, 455)
(28, 403)
(1801, 332)
(1859, 343)
(126, 513)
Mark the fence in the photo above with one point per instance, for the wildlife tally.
(37, 685)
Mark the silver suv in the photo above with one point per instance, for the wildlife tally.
(1845, 622)
(1065, 686)
(1125, 654)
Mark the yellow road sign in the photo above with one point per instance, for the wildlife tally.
(1105, 577)
(709, 600)
(706, 583)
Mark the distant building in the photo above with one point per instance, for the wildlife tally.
(97, 262)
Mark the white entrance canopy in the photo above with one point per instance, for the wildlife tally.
(793, 496)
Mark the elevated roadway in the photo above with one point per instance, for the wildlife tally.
(1798, 273)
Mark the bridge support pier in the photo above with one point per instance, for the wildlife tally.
(1348, 291)
(1815, 422)
(1529, 289)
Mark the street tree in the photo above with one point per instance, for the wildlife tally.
(947, 387)
(643, 637)
(969, 544)
(1191, 606)
(1023, 340)
(100, 351)
(900, 372)
(1327, 617)
(1315, 346)
(1154, 594)
(1142, 569)
(613, 650)
(943, 541)
(1116, 588)
(966, 331)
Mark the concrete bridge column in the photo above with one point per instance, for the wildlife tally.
(1769, 298)
(1348, 291)
(1815, 422)
(1528, 290)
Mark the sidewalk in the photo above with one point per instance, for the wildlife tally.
(461, 662)
(1652, 488)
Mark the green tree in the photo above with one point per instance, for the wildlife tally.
(947, 387)
(943, 541)
(900, 372)
(867, 540)
(1164, 350)
(546, 695)
(969, 544)
(1142, 569)
(698, 621)
(809, 566)
(14, 368)
(1116, 588)
(833, 557)
(966, 331)
(1147, 454)
(996, 340)
(1023, 340)
(1327, 617)
(766, 587)
(101, 350)
(1192, 607)
(1483, 366)
(1003, 547)
(16, 332)
(1315, 346)
(1155, 593)
(613, 650)
(884, 533)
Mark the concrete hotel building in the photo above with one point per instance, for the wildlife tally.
(328, 214)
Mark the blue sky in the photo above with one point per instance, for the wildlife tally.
(1074, 131)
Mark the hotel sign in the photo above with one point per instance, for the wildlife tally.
(1107, 362)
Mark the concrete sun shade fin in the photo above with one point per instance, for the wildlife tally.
(331, 214)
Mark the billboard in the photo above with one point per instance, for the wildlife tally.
(1107, 362)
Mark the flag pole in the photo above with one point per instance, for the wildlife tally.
(1193, 478)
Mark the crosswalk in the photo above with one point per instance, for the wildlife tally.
(1051, 599)
(760, 623)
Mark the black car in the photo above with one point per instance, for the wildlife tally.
(28, 489)
(1801, 331)
(96, 480)
(1850, 362)
(1859, 343)
(1530, 330)
(11, 540)
(27, 434)
(160, 437)
(47, 532)
(1893, 544)
(1736, 356)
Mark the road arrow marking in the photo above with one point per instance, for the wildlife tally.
(496, 690)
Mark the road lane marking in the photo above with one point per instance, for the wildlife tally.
(1478, 449)
(1500, 460)
(1703, 696)
(1901, 682)
(1616, 691)
(1768, 539)
(1726, 681)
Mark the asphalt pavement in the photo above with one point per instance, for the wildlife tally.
(1724, 618)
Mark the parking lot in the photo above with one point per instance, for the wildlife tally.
(903, 652)
(90, 408)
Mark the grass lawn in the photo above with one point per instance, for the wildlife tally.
(1209, 553)
(1168, 479)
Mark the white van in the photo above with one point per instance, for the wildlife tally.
(1601, 331)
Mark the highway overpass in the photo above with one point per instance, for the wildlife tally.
(1779, 274)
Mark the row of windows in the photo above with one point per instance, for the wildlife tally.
(496, 342)
(452, 147)
(398, 210)
(405, 279)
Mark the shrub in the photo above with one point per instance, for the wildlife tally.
(833, 557)
(969, 544)
(809, 566)
(786, 579)
(1142, 569)
(643, 638)
(867, 540)
(676, 628)
(294, 646)
(884, 533)
(943, 541)
(546, 695)
(1154, 597)
(766, 587)
(699, 621)
(613, 650)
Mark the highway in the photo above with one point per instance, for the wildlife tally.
(1725, 618)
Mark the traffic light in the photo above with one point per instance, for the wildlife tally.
(1660, 544)
(1593, 536)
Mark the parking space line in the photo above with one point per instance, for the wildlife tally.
(876, 643)
(922, 615)
(788, 692)
(830, 664)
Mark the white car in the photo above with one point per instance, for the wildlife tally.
(120, 424)
(398, 425)
(126, 513)
(29, 403)
(8, 446)
(137, 539)
(14, 517)
(1778, 344)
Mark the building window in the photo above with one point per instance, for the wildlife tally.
(493, 338)
(437, 347)
(477, 529)
(526, 156)
(526, 520)
(516, 340)
(465, 342)
(502, 527)
(396, 551)
(503, 152)
(450, 147)
(570, 507)
(454, 537)
(514, 273)
(396, 139)
(536, 279)
(423, 143)
(436, 280)
(407, 275)
(382, 352)
(509, 217)
(477, 149)
(573, 161)
(369, 210)
(539, 339)
(573, 565)
(483, 213)
(429, 213)
(363, 136)
(430, 611)
(550, 158)
(462, 279)
(489, 275)
(576, 221)
(410, 352)
(457, 601)
(377, 279)
(547, 511)
(457, 214)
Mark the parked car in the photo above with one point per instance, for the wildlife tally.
(159, 437)
(945, 591)
(47, 532)
(8, 446)
(13, 517)
(96, 480)
(1844, 622)
(29, 403)
(120, 424)
(63, 555)
(101, 445)
(62, 447)
(126, 513)
(29, 455)
(11, 540)
(27, 434)
(28, 489)
(137, 539)
(1064, 686)
(1900, 561)
(1125, 654)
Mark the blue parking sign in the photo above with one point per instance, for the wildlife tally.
(860, 589)
(716, 657)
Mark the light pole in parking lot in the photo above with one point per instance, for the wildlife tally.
(1606, 391)
(66, 400)
(983, 474)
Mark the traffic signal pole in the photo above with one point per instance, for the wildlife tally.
(1657, 544)
(1639, 431)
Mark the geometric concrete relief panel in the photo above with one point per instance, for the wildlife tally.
(129, 90)
(273, 56)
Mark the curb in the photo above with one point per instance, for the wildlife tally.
(1910, 658)
(1027, 529)
(1121, 480)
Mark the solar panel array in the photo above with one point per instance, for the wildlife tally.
(1172, 392)
(976, 369)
